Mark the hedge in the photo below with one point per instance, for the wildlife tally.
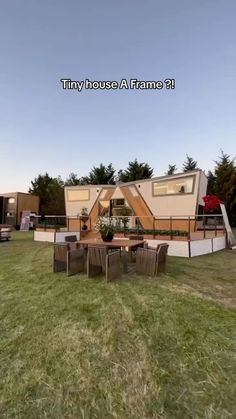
(182, 233)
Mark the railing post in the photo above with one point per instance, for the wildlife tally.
(188, 227)
(171, 226)
(204, 228)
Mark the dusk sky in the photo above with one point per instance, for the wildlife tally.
(45, 128)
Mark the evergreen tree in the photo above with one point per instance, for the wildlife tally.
(172, 169)
(135, 171)
(73, 180)
(102, 175)
(231, 200)
(189, 164)
(224, 171)
(210, 183)
(225, 184)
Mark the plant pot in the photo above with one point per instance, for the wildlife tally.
(108, 237)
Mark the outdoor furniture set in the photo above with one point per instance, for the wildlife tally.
(96, 257)
(5, 232)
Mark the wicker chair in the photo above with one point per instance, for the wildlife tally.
(96, 261)
(113, 269)
(151, 261)
(100, 262)
(146, 262)
(60, 257)
(67, 258)
(72, 241)
(76, 261)
(156, 248)
(162, 257)
(72, 238)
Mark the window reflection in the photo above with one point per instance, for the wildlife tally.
(175, 186)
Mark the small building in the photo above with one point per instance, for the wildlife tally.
(153, 201)
(12, 205)
(167, 209)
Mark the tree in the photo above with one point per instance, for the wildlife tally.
(231, 200)
(135, 171)
(225, 184)
(51, 194)
(224, 171)
(73, 180)
(189, 164)
(210, 183)
(172, 169)
(102, 175)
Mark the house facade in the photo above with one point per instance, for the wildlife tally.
(153, 201)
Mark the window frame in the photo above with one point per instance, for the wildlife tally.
(177, 193)
(78, 190)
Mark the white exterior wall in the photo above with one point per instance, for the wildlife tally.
(197, 247)
(219, 243)
(74, 207)
(170, 205)
(44, 236)
(200, 247)
(202, 188)
(203, 247)
(176, 248)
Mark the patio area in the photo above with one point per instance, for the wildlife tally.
(112, 259)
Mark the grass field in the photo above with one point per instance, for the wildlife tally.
(137, 348)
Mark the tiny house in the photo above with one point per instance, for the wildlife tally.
(153, 201)
(12, 204)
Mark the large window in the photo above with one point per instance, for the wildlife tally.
(182, 185)
(78, 195)
(118, 202)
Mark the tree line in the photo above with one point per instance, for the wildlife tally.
(221, 182)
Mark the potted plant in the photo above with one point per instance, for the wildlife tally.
(105, 228)
(84, 217)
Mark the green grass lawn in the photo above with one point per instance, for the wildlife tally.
(137, 348)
